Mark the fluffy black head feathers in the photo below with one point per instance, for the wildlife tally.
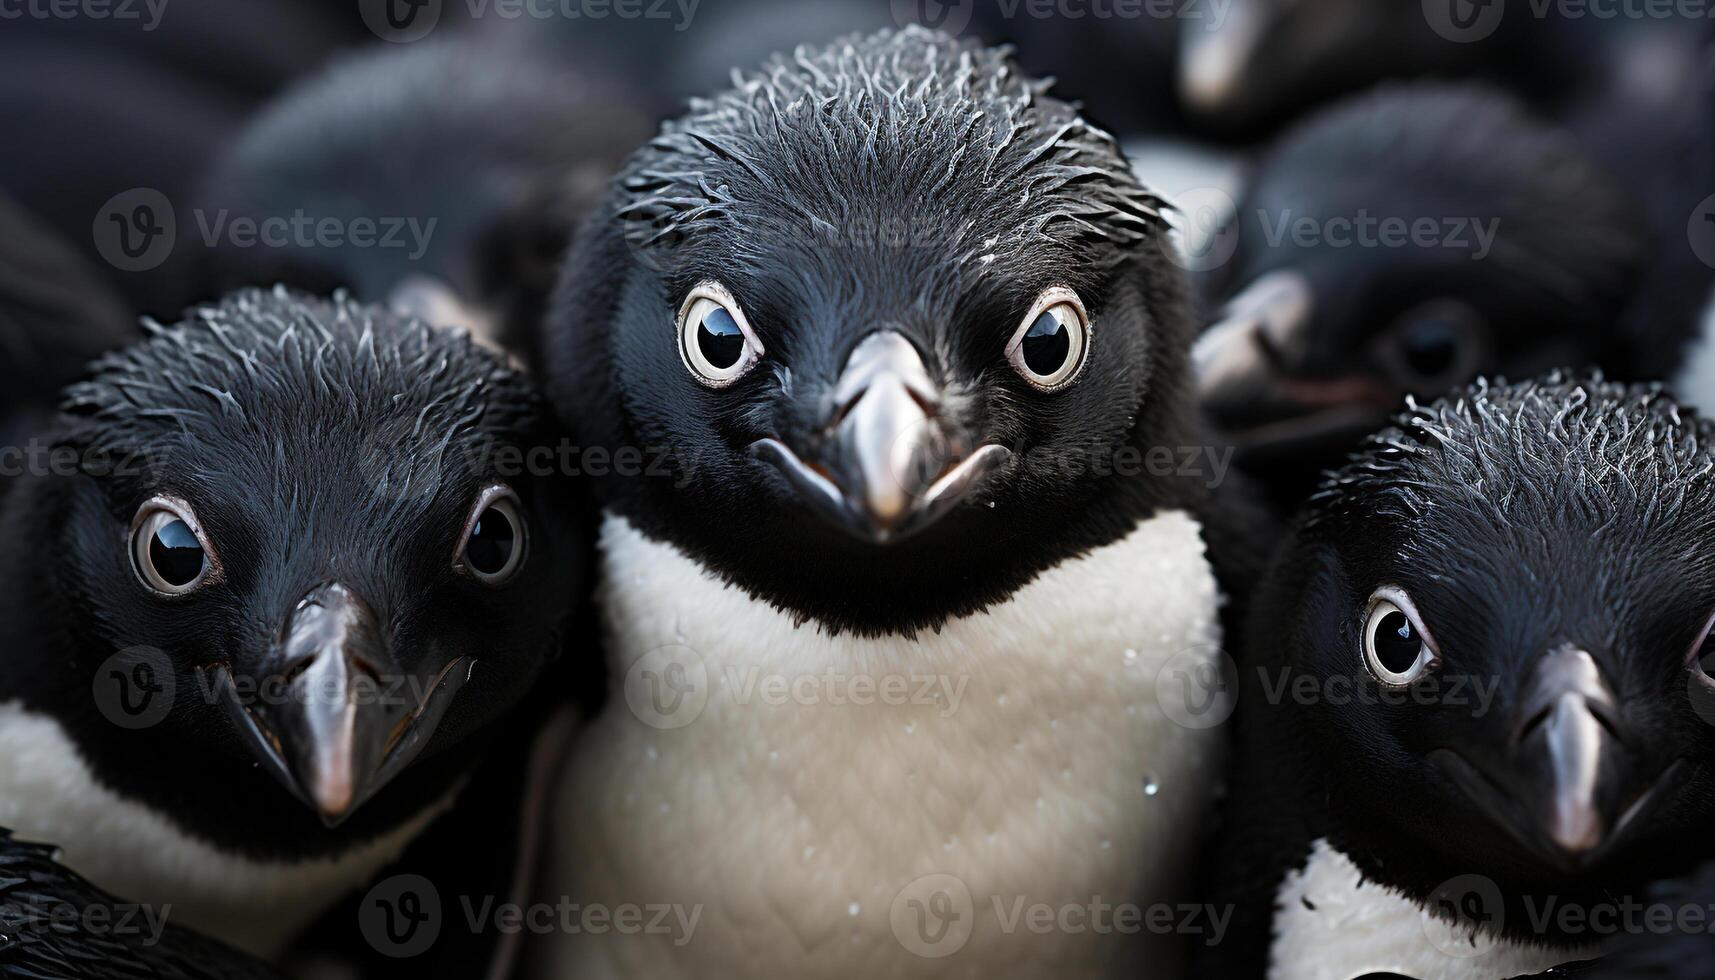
(1524, 570)
(300, 516)
(898, 314)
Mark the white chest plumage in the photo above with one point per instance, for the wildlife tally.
(796, 806)
(1333, 924)
(47, 793)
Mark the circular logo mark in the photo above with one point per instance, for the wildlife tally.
(135, 230)
(401, 916)
(134, 688)
(937, 15)
(1464, 21)
(400, 21)
(933, 916)
(1205, 234)
(668, 687)
(1460, 910)
(1702, 231)
(1199, 687)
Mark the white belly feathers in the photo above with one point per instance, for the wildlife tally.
(809, 805)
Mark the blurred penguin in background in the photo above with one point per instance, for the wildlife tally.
(145, 97)
(1402, 243)
(57, 313)
(463, 161)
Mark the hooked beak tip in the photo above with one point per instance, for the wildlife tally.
(329, 733)
(887, 464)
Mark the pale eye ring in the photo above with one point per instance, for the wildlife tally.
(170, 552)
(715, 339)
(1051, 345)
(495, 539)
(1398, 650)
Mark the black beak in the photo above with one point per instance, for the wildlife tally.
(336, 717)
(1571, 785)
(1248, 386)
(1570, 757)
(888, 464)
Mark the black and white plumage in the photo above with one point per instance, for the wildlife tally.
(1451, 234)
(807, 291)
(289, 520)
(1478, 681)
(452, 171)
(54, 925)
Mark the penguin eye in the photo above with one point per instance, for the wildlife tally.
(1397, 649)
(1051, 344)
(493, 545)
(169, 552)
(1435, 346)
(715, 340)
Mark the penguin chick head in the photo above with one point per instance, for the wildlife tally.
(442, 178)
(1512, 588)
(858, 296)
(300, 505)
(1450, 235)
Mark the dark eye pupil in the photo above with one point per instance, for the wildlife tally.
(176, 554)
(1432, 348)
(720, 339)
(1046, 345)
(492, 540)
(1397, 643)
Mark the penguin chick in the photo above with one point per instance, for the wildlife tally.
(904, 322)
(288, 564)
(56, 315)
(1478, 689)
(1404, 242)
(54, 925)
(450, 171)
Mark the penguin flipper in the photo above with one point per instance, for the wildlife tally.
(54, 924)
(1675, 955)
